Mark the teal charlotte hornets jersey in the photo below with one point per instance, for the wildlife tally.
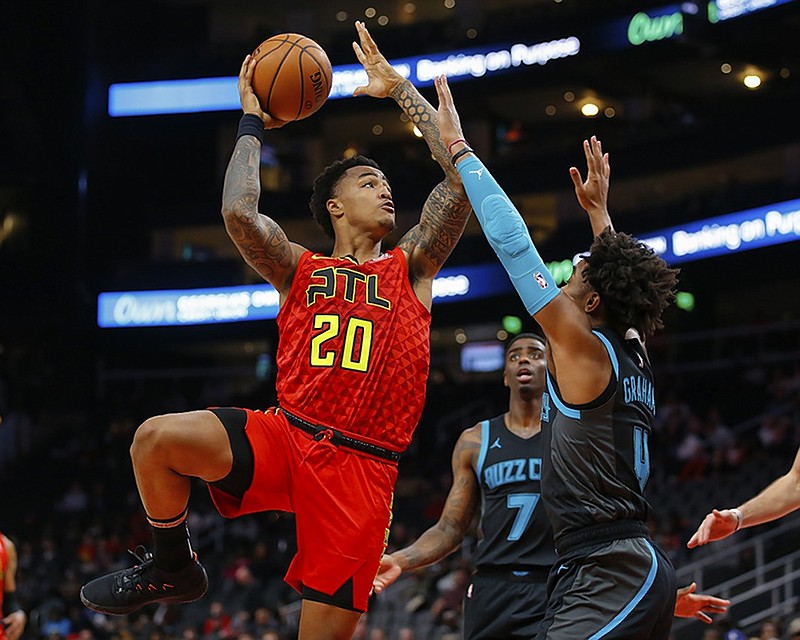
(596, 455)
(515, 532)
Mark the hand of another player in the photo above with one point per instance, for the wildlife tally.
(388, 572)
(715, 526)
(449, 122)
(593, 193)
(382, 77)
(15, 624)
(250, 103)
(698, 605)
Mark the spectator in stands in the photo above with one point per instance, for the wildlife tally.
(770, 630)
(793, 629)
(217, 624)
(692, 451)
(721, 441)
(447, 608)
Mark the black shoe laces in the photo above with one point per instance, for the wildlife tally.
(127, 579)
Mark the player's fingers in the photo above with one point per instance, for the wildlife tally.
(576, 177)
(702, 616)
(359, 53)
(443, 89)
(607, 165)
(360, 31)
(597, 150)
(359, 91)
(273, 123)
(250, 69)
(364, 37)
(597, 155)
(437, 83)
(587, 152)
(371, 47)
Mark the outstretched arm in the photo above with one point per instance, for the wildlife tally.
(447, 209)
(501, 222)
(259, 239)
(593, 194)
(586, 367)
(777, 500)
(385, 81)
(447, 534)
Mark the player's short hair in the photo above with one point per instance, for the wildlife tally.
(325, 184)
(520, 336)
(634, 283)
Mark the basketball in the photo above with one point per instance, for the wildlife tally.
(292, 78)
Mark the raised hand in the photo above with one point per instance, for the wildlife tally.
(715, 526)
(388, 571)
(382, 77)
(449, 122)
(247, 97)
(593, 193)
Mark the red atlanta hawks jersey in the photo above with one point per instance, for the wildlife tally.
(354, 347)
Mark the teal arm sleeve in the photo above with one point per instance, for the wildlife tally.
(507, 234)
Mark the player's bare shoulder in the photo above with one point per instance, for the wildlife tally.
(468, 446)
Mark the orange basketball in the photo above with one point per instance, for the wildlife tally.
(292, 78)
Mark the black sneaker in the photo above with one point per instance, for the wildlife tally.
(131, 589)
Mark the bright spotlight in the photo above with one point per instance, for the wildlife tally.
(752, 81)
(590, 109)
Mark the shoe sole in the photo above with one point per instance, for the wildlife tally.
(121, 611)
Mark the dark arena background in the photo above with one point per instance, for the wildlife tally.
(108, 191)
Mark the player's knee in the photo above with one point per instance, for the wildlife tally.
(151, 436)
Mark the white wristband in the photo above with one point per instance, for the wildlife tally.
(739, 518)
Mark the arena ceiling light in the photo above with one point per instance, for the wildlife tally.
(590, 109)
(752, 81)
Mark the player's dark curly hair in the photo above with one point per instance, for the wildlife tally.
(634, 283)
(325, 184)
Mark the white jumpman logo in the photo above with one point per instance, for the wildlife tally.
(496, 444)
(479, 172)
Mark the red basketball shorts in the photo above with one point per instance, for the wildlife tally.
(342, 501)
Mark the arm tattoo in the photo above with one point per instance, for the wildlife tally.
(447, 208)
(459, 511)
(444, 216)
(260, 240)
(422, 114)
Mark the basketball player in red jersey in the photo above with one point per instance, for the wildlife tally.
(13, 617)
(353, 363)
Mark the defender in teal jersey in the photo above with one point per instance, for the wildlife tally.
(610, 580)
(497, 471)
(497, 467)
